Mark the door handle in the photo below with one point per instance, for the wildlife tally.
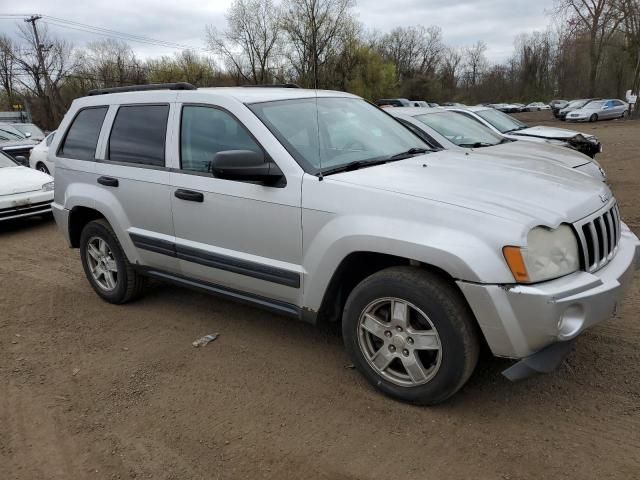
(189, 195)
(108, 181)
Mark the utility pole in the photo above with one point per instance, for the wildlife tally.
(47, 81)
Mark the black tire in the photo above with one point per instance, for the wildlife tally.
(129, 283)
(447, 310)
(624, 114)
(43, 168)
(593, 118)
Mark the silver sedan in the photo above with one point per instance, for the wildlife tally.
(599, 110)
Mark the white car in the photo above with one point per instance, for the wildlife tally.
(536, 107)
(510, 127)
(453, 131)
(38, 157)
(23, 192)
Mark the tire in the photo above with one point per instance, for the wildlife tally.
(624, 115)
(127, 283)
(42, 168)
(593, 118)
(441, 334)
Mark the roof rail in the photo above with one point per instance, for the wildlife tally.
(143, 88)
(274, 85)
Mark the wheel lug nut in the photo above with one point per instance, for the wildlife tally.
(410, 341)
(387, 333)
(392, 348)
(399, 329)
(405, 352)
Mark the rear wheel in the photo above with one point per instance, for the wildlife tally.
(624, 114)
(42, 168)
(106, 266)
(593, 118)
(411, 334)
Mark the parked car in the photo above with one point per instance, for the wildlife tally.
(23, 192)
(556, 106)
(454, 131)
(38, 157)
(506, 107)
(536, 107)
(15, 143)
(393, 102)
(422, 255)
(30, 130)
(453, 104)
(571, 106)
(422, 103)
(599, 110)
(513, 128)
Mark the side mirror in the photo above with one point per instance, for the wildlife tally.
(22, 160)
(605, 107)
(245, 165)
(28, 134)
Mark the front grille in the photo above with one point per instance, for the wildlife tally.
(599, 236)
(28, 209)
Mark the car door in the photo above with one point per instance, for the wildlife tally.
(133, 182)
(234, 235)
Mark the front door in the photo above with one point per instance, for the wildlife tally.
(242, 236)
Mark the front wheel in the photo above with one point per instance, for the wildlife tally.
(42, 168)
(411, 334)
(593, 118)
(624, 114)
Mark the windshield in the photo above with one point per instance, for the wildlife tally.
(501, 121)
(7, 132)
(577, 103)
(5, 161)
(36, 133)
(459, 129)
(325, 133)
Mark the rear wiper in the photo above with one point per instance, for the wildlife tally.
(409, 153)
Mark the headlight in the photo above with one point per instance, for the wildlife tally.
(47, 187)
(550, 253)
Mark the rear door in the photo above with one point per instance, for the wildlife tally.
(242, 236)
(133, 181)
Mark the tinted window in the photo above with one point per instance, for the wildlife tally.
(82, 137)
(206, 131)
(138, 134)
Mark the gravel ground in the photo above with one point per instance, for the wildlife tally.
(92, 390)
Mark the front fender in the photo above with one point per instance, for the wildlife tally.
(458, 252)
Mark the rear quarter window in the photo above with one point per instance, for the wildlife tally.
(82, 137)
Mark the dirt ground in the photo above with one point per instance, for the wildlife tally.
(92, 390)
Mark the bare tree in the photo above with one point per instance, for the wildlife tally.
(413, 50)
(251, 43)
(7, 67)
(315, 31)
(475, 61)
(599, 20)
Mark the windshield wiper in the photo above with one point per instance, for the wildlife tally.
(516, 129)
(355, 165)
(477, 145)
(409, 153)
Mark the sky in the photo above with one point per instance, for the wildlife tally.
(463, 22)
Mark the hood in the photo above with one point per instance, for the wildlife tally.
(21, 179)
(526, 191)
(532, 153)
(549, 132)
(17, 143)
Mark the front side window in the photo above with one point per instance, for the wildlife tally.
(459, 129)
(205, 131)
(325, 133)
(138, 135)
(501, 121)
(82, 138)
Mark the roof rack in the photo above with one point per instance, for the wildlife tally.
(143, 88)
(274, 85)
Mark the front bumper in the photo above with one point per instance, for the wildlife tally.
(25, 204)
(519, 320)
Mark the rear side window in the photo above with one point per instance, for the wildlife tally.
(138, 135)
(82, 138)
(205, 131)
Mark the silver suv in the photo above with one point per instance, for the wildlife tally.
(322, 207)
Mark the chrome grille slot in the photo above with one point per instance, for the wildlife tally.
(599, 235)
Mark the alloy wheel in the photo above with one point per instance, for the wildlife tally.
(102, 264)
(399, 342)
